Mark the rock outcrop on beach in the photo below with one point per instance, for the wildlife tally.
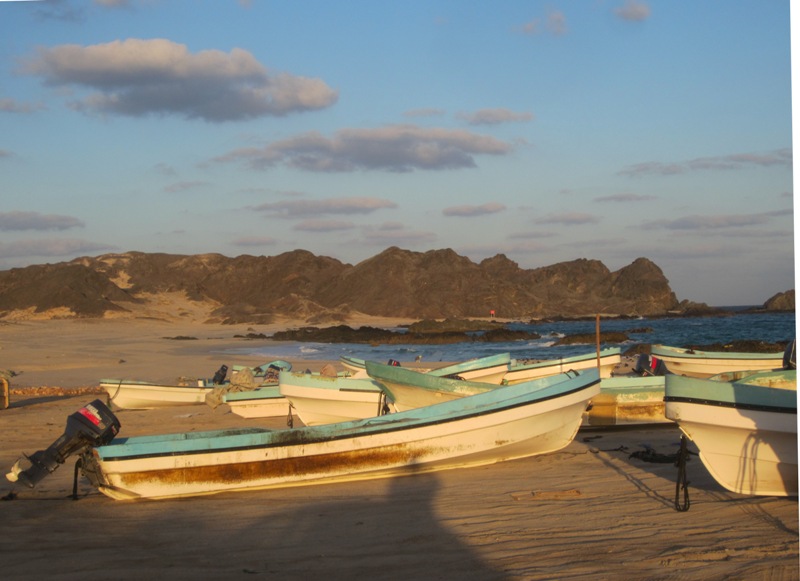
(320, 289)
(781, 302)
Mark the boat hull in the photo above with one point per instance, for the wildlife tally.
(748, 445)
(705, 364)
(320, 400)
(481, 431)
(627, 400)
(606, 366)
(143, 396)
(259, 403)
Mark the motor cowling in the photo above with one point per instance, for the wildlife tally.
(648, 365)
(92, 425)
(219, 376)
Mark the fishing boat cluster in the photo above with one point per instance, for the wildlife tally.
(374, 420)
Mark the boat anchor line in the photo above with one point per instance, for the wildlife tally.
(290, 417)
(682, 483)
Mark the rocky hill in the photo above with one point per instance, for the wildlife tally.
(301, 285)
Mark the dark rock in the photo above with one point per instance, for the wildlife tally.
(591, 338)
(741, 346)
(781, 302)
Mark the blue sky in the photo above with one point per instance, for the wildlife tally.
(545, 131)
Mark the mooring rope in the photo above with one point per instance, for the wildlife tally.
(683, 482)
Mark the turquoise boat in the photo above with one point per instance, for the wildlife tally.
(410, 389)
(502, 424)
(605, 360)
(745, 430)
(704, 364)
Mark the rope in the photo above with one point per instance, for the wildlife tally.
(682, 482)
(290, 418)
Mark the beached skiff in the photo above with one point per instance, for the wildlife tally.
(143, 395)
(606, 360)
(745, 430)
(263, 402)
(707, 363)
(503, 424)
(627, 400)
(321, 399)
(489, 369)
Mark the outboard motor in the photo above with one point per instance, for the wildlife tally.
(219, 376)
(92, 425)
(649, 365)
(790, 355)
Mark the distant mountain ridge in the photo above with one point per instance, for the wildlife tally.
(299, 284)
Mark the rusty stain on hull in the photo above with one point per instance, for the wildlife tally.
(277, 469)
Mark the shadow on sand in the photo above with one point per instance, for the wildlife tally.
(378, 529)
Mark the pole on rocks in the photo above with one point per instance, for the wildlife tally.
(597, 340)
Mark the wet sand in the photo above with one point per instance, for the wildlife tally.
(589, 511)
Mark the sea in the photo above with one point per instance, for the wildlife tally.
(674, 331)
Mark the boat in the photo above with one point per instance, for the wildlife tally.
(489, 369)
(135, 394)
(745, 430)
(262, 402)
(627, 400)
(127, 394)
(354, 365)
(409, 389)
(704, 364)
(605, 360)
(322, 399)
(502, 424)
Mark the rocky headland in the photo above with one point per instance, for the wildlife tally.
(320, 290)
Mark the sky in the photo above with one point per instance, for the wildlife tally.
(545, 131)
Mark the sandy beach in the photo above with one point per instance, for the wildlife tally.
(589, 511)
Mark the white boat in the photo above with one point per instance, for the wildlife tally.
(696, 363)
(409, 389)
(505, 423)
(134, 394)
(745, 430)
(263, 402)
(141, 395)
(321, 399)
(489, 369)
(606, 360)
(627, 400)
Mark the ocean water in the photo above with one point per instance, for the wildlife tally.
(770, 327)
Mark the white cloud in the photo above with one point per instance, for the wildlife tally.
(713, 222)
(494, 116)
(137, 77)
(354, 205)
(396, 148)
(633, 10)
(778, 157)
(36, 221)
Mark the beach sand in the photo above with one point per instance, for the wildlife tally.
(589, 511)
